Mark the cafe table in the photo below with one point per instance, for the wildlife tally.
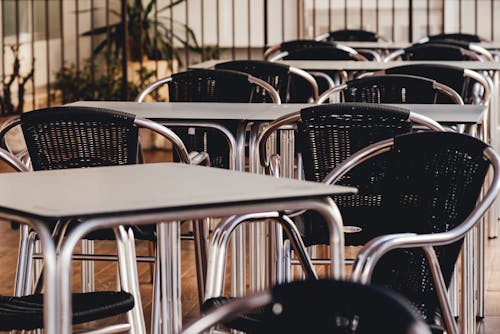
(166, 193)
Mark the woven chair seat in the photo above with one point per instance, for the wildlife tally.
(26, 312)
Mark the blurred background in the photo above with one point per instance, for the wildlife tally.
(58, 51)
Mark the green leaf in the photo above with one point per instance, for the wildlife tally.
(175, 3)
(99, 30)
(149, 7)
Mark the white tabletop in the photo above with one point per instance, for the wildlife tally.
(104, 191)
(187, 111)
(402, 45)
(191, 110)
(351, 65)
(441, 113)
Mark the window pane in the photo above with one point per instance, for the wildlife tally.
(9, 10)
(53, 19)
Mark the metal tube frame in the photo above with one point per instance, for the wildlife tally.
(149, 89)
(62, 275)
(308, 77)
(221, 237)
(326, 94)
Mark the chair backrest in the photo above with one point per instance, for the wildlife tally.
(432, 186)
(435, 51)
(210, 85)
(281, 77)
(78, 137)
(354, 35)
(461, 80)
(315, 306)
(59, 138)
(350, 35)
(293, 45)
(307, 49)
(393, 88)
(207, 85)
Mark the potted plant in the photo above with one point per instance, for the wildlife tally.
(150, 36)
(7, 106)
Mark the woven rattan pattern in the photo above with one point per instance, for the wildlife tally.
(76, 137)
(429, 190)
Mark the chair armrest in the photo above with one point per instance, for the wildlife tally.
(376, 248)
(13, 161)
(261, 153)
(373, 251)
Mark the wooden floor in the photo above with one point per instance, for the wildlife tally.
(106, 274)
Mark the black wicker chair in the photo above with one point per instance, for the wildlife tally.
(354, 35)
(350, 35)
(394, 88)
(313, 306)
(210, 85)
(308, 49)
(327, 135)
(293, 85)
(471, 41)
(429, 201)
(83, 137)
(461, 80)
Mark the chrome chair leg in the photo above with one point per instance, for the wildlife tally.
(169, 266)
(28, 283)
(134, 283)
(23, 260)
(129, 281)
(87, 275)
(156, 300)
(453, 293)
(201, 257)
(287, 261)
(467, 315)
(481, 231)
